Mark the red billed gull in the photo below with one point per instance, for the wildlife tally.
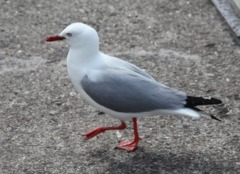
(119, 88)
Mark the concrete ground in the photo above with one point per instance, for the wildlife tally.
(184, 44)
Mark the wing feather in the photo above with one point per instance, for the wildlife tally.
(130, 92)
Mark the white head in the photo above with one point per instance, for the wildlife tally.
(78, 36)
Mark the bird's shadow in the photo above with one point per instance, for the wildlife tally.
(162, 161)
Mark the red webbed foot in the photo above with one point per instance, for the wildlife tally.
(131, 145)
(128, 145)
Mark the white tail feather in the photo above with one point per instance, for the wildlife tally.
(187, 112)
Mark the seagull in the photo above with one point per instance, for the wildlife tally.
(119, 88)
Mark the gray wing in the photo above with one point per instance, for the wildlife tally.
(129, 92)
(122, 63)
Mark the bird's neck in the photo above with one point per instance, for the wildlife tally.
(80, 62)
(81, 57)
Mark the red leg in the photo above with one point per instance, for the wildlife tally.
(131, 145)
(99, 130)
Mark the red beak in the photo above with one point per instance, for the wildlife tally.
(54, 38)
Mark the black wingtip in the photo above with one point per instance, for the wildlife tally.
(215, 118)
(191, 101)
(215, 100)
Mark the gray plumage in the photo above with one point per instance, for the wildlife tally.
(131, 92)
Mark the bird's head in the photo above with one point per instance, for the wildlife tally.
(78, 36)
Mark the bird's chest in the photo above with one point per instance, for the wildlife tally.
(76, 74)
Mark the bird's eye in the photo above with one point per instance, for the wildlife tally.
(69, 34)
